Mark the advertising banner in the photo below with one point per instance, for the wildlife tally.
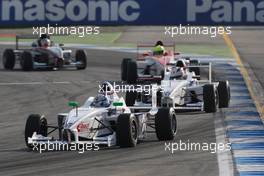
(131, 12)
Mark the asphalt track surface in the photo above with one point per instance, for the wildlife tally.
(50, 97)
(250, 47)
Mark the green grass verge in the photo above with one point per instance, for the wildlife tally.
(103, 38)
(108, 39)
(203, 49)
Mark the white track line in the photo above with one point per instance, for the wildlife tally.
(33, 83)
(225, 161)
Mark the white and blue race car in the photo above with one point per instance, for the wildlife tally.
(103, 120)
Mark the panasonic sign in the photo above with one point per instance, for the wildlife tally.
(76, 10)
(16, 13)
(221, 11)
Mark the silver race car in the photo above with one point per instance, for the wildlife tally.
(190, 93)
(103, 120)
(183, 91)
(43, 54)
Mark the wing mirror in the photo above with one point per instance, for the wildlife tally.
(74, 104)
(116, 104)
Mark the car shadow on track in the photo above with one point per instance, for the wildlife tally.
(14, 150)
(38, 70)
(141, 144)
(182, 112)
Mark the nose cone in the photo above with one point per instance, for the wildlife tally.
(84, 114)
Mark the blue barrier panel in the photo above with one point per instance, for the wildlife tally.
(131, 12)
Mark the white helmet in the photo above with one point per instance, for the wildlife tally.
(106, 88)
(45, 42)
(176, 73)
(101, 101)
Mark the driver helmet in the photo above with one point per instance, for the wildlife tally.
(101, 101)
(43, 36)
(181, 63)
(176, 73)
(159, 50)
(45, 42)
(159, 43)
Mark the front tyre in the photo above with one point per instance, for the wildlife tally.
(132, 72)
(165, 124)
(35, 123)
(26, 61)
(127, 131)
(81, 57)
(124, 69)
(9, 59)
(131, 97)
(224, 94)
(210, 98)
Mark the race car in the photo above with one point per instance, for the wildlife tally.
(151, 66)
(43, 54)
(186, 94)
(103, 120)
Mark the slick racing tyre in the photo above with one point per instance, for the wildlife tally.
(165, 124)
(26, 61)
(35, 123)
(196, 70)
(131, 72)
(124, 69)
(65, 136)
(159, 98)
(9, 59)
(224, 94)
(127, 131)
(210, 98)
(131, 98)
(81, 57)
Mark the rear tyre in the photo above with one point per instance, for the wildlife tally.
(210, 98)
(131, 72)
(35, 123)
(81, 57)
(159, 97)
(9, 59)
(26, 61)
(131, 98)
(124, 69)
(165, 124)
(65, 136)
(196, 70)
(126, 131)
(224, 94)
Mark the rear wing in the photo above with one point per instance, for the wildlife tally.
(209, 66)
(19, 37)
(151, 108)
(119, 88)
(30, 36)
(151, 45)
